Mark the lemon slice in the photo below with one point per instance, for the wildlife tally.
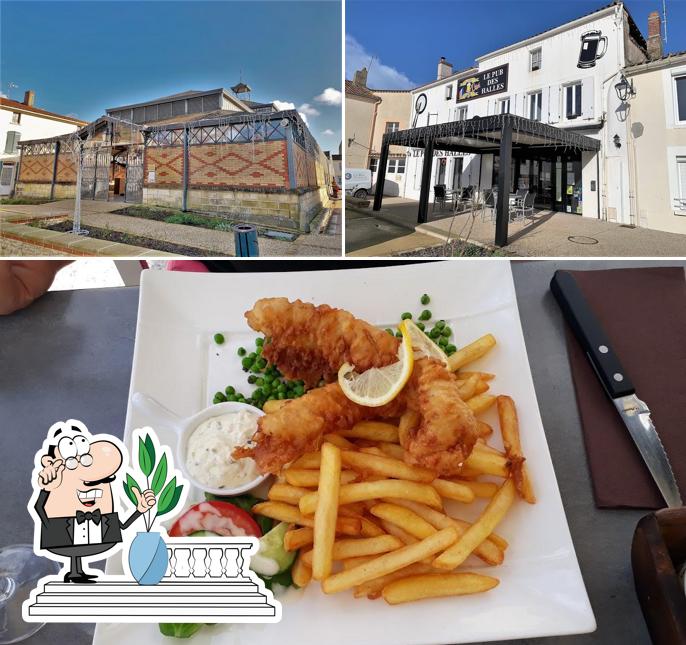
(378, 385)
(421, 343)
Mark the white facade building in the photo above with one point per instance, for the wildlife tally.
(564, 77)
(21, 122)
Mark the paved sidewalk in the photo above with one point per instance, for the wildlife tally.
(549, 235)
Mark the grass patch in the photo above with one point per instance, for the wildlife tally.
(456, 248)
(65, 226)
(173, 216)
(25, 201)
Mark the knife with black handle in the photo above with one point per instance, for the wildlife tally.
(634, 412)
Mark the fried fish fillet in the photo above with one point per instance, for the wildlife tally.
(310, 343)
(298, 426)
(447, 430)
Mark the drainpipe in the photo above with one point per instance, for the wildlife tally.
(184, 204)
(54, 171)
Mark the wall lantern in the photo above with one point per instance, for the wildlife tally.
(618, 143)
(625, 89)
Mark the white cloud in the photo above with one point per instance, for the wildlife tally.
(329, 96)
(288, 105)
(329, 132)
(381, 77)
(308, 109)
(3, 95)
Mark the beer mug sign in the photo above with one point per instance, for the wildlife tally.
(590, 42)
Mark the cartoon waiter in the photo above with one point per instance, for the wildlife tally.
(75, 503)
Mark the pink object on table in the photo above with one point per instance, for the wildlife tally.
(187, 265)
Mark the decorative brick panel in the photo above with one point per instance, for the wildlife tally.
(66, 169)
(37, 168)
(167, 163)
(305, 172)
(241, 165)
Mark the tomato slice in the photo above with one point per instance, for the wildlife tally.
(217, 517)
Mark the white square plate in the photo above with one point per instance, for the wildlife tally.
(541, 591)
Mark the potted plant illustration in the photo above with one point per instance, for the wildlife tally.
(148, 558)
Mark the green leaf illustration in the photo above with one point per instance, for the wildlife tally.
(129, 485)
(172, 503)
(160, 475)
(144, 460)
(166, 497)
(151, 450)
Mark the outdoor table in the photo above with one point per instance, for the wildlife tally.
(69, 355)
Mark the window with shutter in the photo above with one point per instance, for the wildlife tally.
(535, 106)
(11, 142)
(573, 101)
(535, 58)
(681, 176)
(680, 98)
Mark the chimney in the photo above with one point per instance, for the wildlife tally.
(29, 97)
(445, 69)
(655, 49)
(361, 77)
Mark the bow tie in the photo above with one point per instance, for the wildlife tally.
(82, 517)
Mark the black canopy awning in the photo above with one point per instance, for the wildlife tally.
(499, 134)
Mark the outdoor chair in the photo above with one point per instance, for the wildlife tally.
(526, 208)
(490, 201)
(439, 196)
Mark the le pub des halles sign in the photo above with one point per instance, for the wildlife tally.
(490, 81)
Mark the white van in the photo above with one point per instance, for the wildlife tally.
(358, 182)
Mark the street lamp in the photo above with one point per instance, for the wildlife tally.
(625, 89)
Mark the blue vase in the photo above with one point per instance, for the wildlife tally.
(148, 558)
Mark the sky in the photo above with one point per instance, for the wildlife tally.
(406, 38)
(82, 58)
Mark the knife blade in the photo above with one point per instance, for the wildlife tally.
(634, 412)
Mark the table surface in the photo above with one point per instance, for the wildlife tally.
(70, 355)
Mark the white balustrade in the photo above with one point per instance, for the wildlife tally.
(211, 560)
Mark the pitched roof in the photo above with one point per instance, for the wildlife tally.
(30, 109)
(663, 58)
(359, 91)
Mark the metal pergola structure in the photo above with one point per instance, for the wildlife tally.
(498, 134)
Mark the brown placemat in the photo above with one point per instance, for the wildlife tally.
(643, 312)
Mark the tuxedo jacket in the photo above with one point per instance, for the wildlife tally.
(59, 531)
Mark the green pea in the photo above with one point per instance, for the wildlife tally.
(240, 398)
(233, 397)
(421, 325)
(219, 339)
(442, 341)
(261, 363)
(398, 334)
(271, 397)
(390, 331)
(281, 395)
(252, 355)
(256, 369)
(299, 390)
(434, 333)
(425, 315)
(446, 331)
(230, 390)
(440, 324)
(252, 379)
(249, 401)
(259, 342)
(277, 373)
(406, 316)
(281, 388)
(450, 349)
(268, 378)
(425, 300)
(241, 351)
(259, 381)
(219, 398)
(247, 362)
(258, 351)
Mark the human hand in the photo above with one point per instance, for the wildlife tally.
(50, 477)
(145, 500)
(22, 281)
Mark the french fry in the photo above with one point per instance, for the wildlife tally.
(309, 460)
(372, 430)
(471, 352)
(369, 528)
(295, 539)
(488, 551)
(482, 446)
(483, 429)
(385, 467)
(355, 548)
(373, 588)
(301, 572)
(401, 534)
(453, 490)
(304, 477)
(509, 428)
(408, 423)
(354, 509)
(436, 585)
(286, 513)
(484, 376)
(480, 530)
(273, 405)
(480, 403)
(326, 512)
(390, 562)
(404, 518)
(350, 563)
(480, 489)
(487, 463)
(424, 493)
(467, 389)
(286, 493)
(339, 441)
(392, 450)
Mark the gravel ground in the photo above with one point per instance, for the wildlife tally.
(9, 248)
(456, 248)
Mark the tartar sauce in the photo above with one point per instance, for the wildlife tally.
(208, 452)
